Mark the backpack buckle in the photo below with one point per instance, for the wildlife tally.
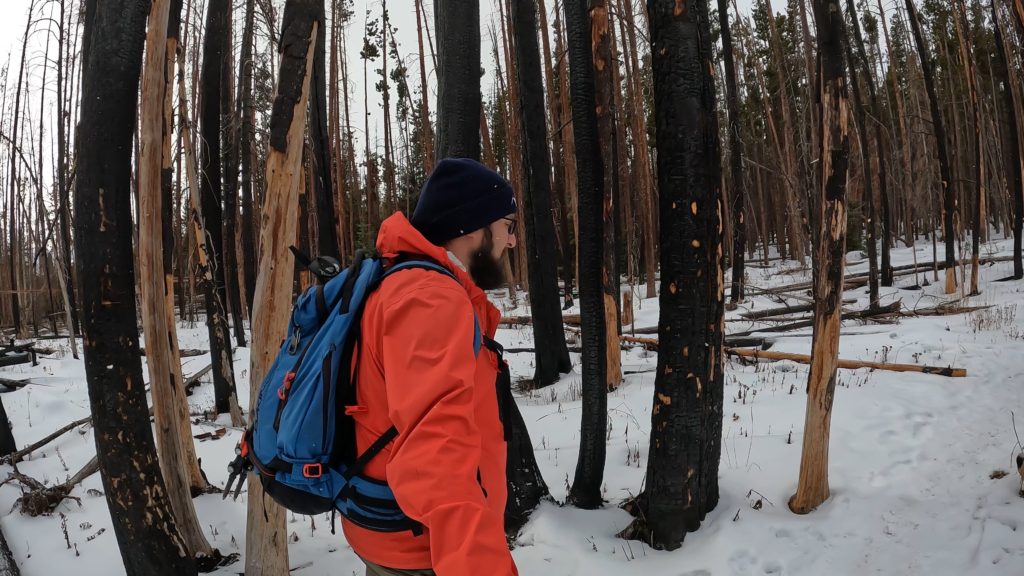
(314, 470)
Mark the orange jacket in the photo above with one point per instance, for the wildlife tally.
(417, 371)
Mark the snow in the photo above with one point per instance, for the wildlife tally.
(911, 454)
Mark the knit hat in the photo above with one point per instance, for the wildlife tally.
(460, 196)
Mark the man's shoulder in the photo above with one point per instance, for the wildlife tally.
(421, 283)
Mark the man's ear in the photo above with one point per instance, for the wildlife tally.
(476, 237)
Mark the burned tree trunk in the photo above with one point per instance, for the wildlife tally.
(735, 157)
(425, 127)
(869, 195)
(833, 106)
(967, 55)
(552, 356)
(13, 203)
(265, 528)
(949, 201)
(586, 486)
(605, 111)
(323, 191)
(195, 476)
(145, 528)
(247, 121)
(1012, 152)
(229, 136)
(686, 423)
(883, 186)
(217, 26)
(458, 78)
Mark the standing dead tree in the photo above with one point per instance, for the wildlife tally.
(206, 214)
(145, 528)
(458, 78)
(833, 108)
(686, 419)
(1014, 166)
(265, 528)
(949, 202)
(156, 288)
(736, 195)
(586, 486)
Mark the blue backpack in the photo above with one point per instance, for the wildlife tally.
(302, 440)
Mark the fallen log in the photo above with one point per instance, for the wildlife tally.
(185, 353)
(570, 319)
(15, 384)
(943, 310)
(891, 309)
(769, 312)
(852, 281)
(15, 358)
(849, 364)
(193, 380)
(18, 456)
(652, 344)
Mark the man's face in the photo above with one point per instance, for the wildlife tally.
(485, 266)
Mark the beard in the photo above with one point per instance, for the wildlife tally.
(486, 270)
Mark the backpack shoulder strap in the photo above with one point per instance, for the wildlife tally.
(416, 263)
(423, 263)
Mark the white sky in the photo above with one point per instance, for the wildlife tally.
(12, 25)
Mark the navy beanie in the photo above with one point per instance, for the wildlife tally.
(460, 196)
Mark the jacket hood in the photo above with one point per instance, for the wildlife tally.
(398, 236)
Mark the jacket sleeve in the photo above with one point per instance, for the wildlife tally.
(429, 367)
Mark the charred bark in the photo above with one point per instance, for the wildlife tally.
(247, 121)
(737, 193)
(686, 422)
(323, 191)
(949, 200)
(1012, 152)
(552, 357)
(606, 136)
(139, 507)
(586, 486)
(458, 78)
(217, 26)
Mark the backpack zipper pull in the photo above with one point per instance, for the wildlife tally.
(294, 344)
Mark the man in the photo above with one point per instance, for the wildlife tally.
(418, 370)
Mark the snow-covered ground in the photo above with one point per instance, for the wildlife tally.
(911, 455)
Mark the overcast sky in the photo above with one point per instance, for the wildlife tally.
(403, 17)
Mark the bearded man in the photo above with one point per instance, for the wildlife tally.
(421, 368)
